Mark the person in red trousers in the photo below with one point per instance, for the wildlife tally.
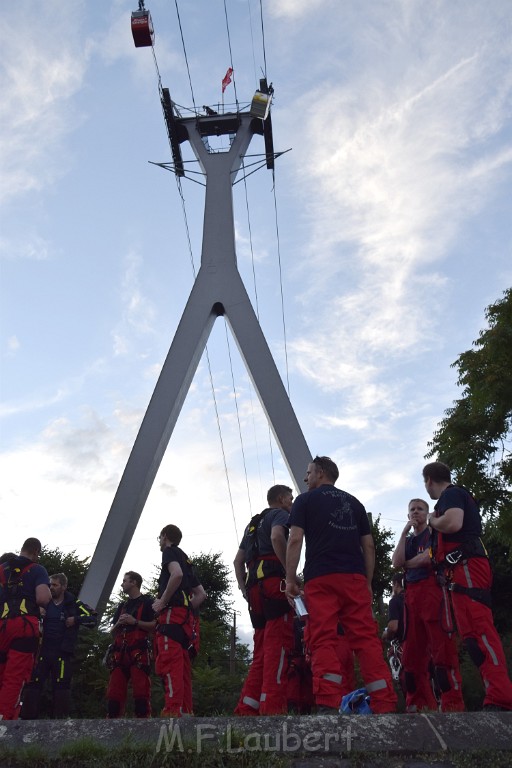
(179, 595)
(130, 654)
(24, 588)
(259, 569)
(340, 560)
(463, 566)
(426, 640)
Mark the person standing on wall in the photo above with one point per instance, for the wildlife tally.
(338, 572)
(462, 564)
(426, 640)
(129, 657)
(24, 589)
(260, 569)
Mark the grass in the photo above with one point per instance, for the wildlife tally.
(86, 753)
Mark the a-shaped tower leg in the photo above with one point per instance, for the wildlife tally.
(218, 290)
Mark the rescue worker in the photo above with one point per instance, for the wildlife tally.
(463, 566)
(24, 588)
(260, 568)
(340, 559)
(425, 637)
(395, 626)
(179, 594)
(62, 618)
(129, 656)
(394, 631)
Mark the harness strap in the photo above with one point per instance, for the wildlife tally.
(273, 608)
(479, 595)
(467, 549)
(175, 632)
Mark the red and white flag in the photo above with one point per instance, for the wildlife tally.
(227, 79)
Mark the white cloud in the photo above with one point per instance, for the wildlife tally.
(138, 314)
(13, 344)
(31, 248)
(42, 68)
(295, 9)
(395, 155)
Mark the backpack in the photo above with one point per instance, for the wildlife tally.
(15, 603)
(252, 545)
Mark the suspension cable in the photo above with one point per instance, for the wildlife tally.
(230, 53)
(250, 242)
(281, 284)
(222, 444)
(185, 54)
(210, 374)
(238, 418)
(187, 228)
(249, 227)
(263, 39)
(252, 41)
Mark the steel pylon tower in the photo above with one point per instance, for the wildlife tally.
(217, 291)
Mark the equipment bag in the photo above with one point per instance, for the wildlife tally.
(12, 600)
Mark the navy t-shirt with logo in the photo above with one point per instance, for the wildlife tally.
(333, 522)
(415, 545)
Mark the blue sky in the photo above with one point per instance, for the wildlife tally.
(394, 219)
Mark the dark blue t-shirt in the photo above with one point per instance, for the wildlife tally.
(54, 625)
(333, 522)
(272, 517)
(396, 613)
(174, 554)
(132, 606)
(415, 545)
(455, 496)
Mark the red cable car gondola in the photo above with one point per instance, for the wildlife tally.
(142, 27)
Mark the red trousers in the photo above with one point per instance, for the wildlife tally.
(426, 639)
(173, 662)
(345, 660)
(131, 664)
(476, 628)
(265, 689)
(344, 598)
(19, 641)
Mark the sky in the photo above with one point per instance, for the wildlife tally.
(370, 257)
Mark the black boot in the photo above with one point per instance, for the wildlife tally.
(30, 703)
(61, 702)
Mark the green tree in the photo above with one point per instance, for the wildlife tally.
(474, 440)
(221, 666)
(474, 437)
(381, 583)
(215, 577)
(56, 561)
